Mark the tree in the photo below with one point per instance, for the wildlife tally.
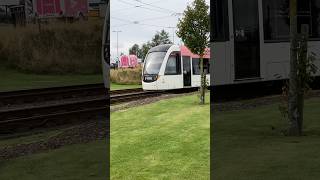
(135, 49)
(301, 70)
(293, 113)
(194, 30)
(159, 38)
(144, 49)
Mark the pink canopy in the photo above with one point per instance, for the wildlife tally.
(48, 7)
(186, 52)
(124, 61)
(133, 60)
(72, 7)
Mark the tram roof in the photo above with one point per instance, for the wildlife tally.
(161, 48)
(186, 52)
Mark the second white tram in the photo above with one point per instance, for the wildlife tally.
(173, 67)
(251, 39)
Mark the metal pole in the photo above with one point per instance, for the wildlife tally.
(117, 42)
(173, 35)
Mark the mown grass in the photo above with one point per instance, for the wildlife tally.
(115, 86)
(165, 140)
(85, 161)
(170, 140)
(15, 80)
(247, 147)
(154, 144)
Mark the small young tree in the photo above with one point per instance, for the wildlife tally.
(293, 113)
(301, 71)
(194, 30)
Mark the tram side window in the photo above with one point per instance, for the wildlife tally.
(277, 22)
(196, 66)
(173, 65)
(220, 21)
(276, 19)
(315, 13)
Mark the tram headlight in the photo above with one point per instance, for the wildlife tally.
(150, 78)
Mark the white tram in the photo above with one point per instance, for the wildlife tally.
(173, 67)
(250, 39)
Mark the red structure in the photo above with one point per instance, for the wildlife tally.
(76, 7)
(133, 60)
(124, 61)
(57, 8)
(128, 61)
(48, 7)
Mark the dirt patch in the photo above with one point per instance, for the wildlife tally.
(95, 129)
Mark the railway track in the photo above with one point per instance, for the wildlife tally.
(49, 94)
(29, 109)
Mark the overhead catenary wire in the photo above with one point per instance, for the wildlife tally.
(142, 20)
(140, 6)
(137, 23)
(122, 9)
(128, 22)
(151, 5)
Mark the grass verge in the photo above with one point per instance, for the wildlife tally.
(155, 144)
(115, 86)
(14, 80)
(85, 161)
(246, 145)
(165, 140)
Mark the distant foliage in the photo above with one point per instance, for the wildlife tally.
(159, 38)
(56, 49)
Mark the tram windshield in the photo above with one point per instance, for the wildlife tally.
(153, 62)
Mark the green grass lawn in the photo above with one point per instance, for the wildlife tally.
(86, 161)
(170, 140)
(115, 86)
(246, 147)
(14, 80)
(164, 140)
(11, 80)
(152, 141)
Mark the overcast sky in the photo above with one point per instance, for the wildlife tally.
(139, 20)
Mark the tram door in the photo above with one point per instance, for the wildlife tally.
(246, 39)
(186, 71)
